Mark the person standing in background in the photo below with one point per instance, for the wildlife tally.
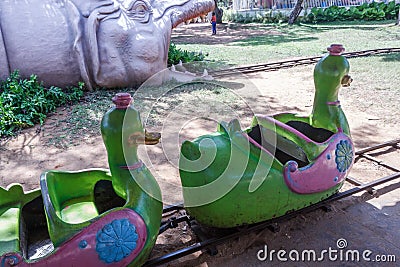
(214, 23)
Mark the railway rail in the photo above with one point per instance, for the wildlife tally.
(273, 66)
(210, 242)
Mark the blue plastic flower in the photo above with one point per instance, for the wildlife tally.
(116, 240)
(344, 155)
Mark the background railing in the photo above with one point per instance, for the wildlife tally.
(279, 4)
(282, 4)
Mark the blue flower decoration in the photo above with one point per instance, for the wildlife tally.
(116, 240)
(344, 155)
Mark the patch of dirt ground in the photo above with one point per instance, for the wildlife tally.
(25, 157)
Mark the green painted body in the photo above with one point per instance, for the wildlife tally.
(241, 183)
(119, 127)
(12, 200)
(69, 197)
(69, 201)
(328, 78)
(72, 194)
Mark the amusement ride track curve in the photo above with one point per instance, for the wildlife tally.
(273, 66)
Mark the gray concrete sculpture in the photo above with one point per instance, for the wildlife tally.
(104, 43)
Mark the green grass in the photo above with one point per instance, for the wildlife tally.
(375, 83)
(284, 42)
(68, 127)
(81, 122)
(382, 70)
(377, 75)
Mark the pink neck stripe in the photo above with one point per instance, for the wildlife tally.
(135, 166)
(333, 103)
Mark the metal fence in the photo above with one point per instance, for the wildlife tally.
(282, 4)
(279, 4)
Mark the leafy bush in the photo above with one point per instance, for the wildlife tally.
(272, 16)
(176, 54)
(372, 11)
(24, 103)
(391, 10)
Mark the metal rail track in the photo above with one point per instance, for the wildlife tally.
(359, 187)
(296, 62)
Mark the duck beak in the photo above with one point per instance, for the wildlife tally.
(346, 80)
(151, 138)
(148, 138)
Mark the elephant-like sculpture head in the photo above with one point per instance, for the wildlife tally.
(105, 43)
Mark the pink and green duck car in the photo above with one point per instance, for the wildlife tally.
(94, 217)
(281, 163)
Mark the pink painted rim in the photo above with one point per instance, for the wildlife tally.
(122, 100)
(288, 128)
(333, 103)
(251, 140)
(135, 166)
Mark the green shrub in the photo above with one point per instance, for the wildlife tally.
(355, 13)
(24, 103)
(372, 11)
(272, 16)
(176, 54)
(391, 10)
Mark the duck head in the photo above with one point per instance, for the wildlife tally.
(122, 131)
(330, 73)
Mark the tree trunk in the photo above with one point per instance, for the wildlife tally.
(218, 12)
(295, 12)
(398, 19)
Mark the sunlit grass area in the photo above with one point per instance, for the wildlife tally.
(283, 41)
(376, 75)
